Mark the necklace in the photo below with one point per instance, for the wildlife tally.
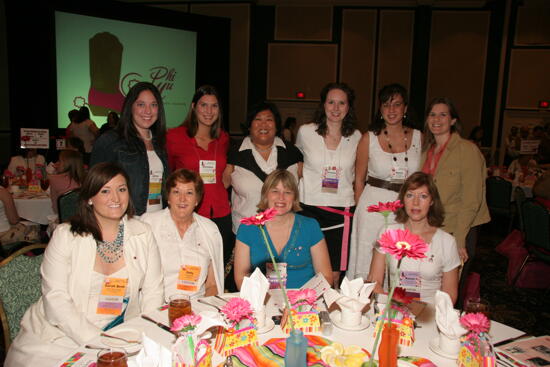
(109, 251)
(391, 148)
(262, 150)
(150, 137)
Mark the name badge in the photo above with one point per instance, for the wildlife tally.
(207, 171)
(411, 282)
(399, 174)
(188, 278)
(271, 274)
(330, 179)
(112, 296)
(155, 187)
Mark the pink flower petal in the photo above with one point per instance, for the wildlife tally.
(401, 243)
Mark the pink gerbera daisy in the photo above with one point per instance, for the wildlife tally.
(260, 218)
(476, 322)
(401, 243)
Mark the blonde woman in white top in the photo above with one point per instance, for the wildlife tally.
(326, 185)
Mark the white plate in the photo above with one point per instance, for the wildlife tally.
(434, 346)
(126, 333)
(336, 320)
(268, 326)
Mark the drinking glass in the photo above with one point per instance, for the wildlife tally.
(112, 357)
(472, 305)
(179, 305)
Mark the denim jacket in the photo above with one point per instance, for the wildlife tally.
(132, 157)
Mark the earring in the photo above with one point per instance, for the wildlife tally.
(404, 116)
(90, 202)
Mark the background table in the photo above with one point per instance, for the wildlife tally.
(34, 207)
(426, 332)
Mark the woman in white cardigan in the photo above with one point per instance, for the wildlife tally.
(191, 246)
(101, 248)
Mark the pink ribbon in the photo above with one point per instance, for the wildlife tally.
(345, 238)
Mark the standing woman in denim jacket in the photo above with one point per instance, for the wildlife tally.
(137, 144)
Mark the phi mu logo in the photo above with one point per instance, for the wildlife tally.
(107, 88)
(161, 76)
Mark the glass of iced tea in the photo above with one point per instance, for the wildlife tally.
(472, 305)
(112, 357)
(179, 305)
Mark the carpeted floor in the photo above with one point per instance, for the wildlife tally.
(524, 309)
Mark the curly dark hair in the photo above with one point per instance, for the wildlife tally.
(348, 124)
(386, 94)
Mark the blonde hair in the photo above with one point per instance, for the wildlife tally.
(288, 181)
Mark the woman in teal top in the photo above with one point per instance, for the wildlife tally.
(296, 241)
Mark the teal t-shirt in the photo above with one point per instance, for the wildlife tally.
(296, 253)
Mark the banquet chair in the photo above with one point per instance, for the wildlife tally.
(498, 195)
(20, 287)
(67, 204)
(536, 223)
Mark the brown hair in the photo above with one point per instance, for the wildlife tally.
(436, 213)
(429, 139)
(350, 120)
(73, 165)
(85, 221)
(288, 181)
(185, 176)
(191, 121)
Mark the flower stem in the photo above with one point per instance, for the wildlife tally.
(385, 314)
(283, 289)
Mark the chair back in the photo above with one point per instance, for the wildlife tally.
(499, 193)
(536, 222)
(519, 198)
(20, 287)
(67, 205)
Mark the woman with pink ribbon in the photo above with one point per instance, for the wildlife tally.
(326, 185)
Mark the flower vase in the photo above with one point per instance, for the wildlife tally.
(387, 352)
(296, 349)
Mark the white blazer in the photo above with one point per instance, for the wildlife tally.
(165, 232)
(58, 322)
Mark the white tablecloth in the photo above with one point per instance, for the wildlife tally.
(34, 209)
(426, 332)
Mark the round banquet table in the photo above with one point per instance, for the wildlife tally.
(34, 207)
(423, 335)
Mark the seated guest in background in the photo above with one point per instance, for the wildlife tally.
(11, 229)
(28, 158)
(289, 131)
(190, 245)
(112, 121)
(138, 146)
(296, 241)
(525, 165)
(422, 215)
(476, 136)
(69, 175)
(74, 143)
(103, 247)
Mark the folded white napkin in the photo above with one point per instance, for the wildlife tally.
(353, 295)
(446, 317)
(152, 355)
(254, 289)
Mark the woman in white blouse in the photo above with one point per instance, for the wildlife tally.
(422, 215)
(329, 144)
(191, 246)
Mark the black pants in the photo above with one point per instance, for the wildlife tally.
(471, 243)
(225, 225)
